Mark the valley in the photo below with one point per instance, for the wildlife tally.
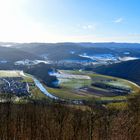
(72, 75)
(69, 69)
(70, 88)
(73, 87)
(82, 54)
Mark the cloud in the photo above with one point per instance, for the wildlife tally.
(118, 20)
(87, 27)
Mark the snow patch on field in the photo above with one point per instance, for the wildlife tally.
(69, 76)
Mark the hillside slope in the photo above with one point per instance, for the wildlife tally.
(13, 54)
(129, 70)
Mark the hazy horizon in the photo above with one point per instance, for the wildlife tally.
(6, 42)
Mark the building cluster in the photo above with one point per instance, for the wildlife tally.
(14, 85)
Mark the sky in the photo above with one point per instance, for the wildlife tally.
(70, 21)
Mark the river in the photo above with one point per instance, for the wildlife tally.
(43, 89)
(40, 86)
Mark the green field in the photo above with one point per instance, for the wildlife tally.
(9, 73)
(74, 88)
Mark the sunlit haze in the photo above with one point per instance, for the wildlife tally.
(69, 21)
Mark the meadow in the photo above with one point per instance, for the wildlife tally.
(82, 89)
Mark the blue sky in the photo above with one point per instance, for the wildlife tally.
(70, 20)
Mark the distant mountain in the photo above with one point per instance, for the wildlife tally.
(13, 54)
(73, 52)
(40, 48)
(57, 51)
(112, 45)
(129, 70)
(8, 44)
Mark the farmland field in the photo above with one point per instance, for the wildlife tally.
(8, 73)
(73, 87)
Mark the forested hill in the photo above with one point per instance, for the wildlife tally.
(13, 54)
(80, 48)
(129, 70)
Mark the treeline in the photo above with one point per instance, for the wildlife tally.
(45, 121)
(41, 71)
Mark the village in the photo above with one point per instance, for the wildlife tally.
(14, 85)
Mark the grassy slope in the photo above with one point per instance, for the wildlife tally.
(35, 92)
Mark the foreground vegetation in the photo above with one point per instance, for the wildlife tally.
(41, 121)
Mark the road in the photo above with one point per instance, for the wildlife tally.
(7, 82)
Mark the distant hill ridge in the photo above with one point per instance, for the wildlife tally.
(69, 51)
(13, 54)
(60, 51)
